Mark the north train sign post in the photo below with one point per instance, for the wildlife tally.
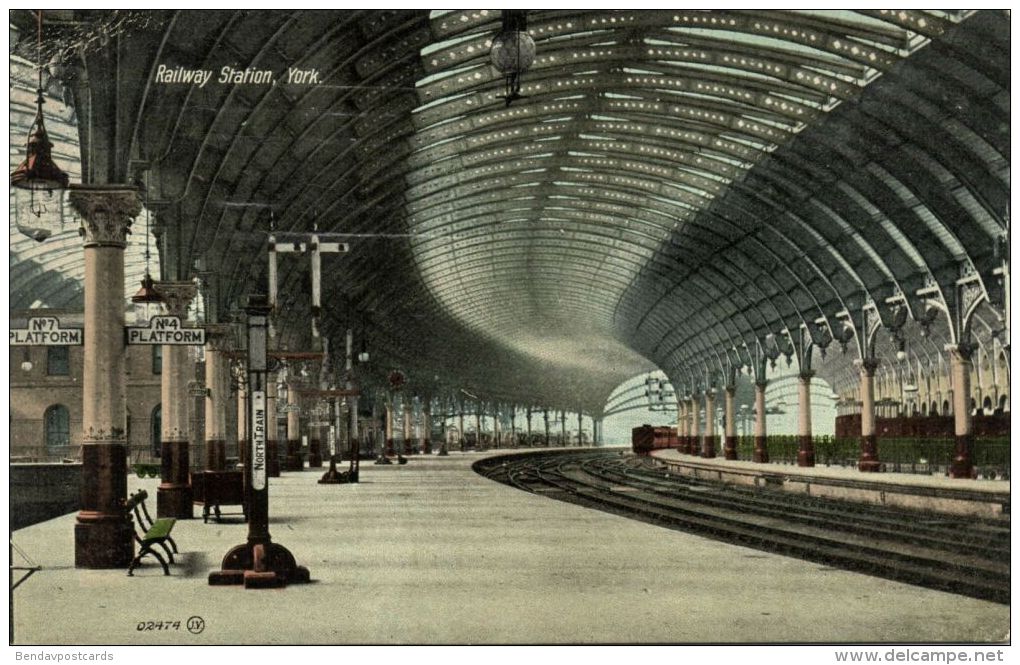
(258, 562)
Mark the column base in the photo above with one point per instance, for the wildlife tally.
(389, 448)
(175, 501)
(426, 447)
(259, 566)
(314, 454)
(443, 452)
(761, 451)
(103, 541)
(869, 455)
(708, 447)
(294, 461)
(103, 535)
(408, 446)
(730, 448)
(962, 465)
(174, 495)
(806, 452)
(334, 477)
(215, 455)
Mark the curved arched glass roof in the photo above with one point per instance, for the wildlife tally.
(673, 189)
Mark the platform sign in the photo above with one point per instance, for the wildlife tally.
(166, 330)
(258, 440)
(46, 331)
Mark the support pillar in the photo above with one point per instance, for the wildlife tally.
(580, 442)
(528, 413)
(761, 451)
(408, 427)
(563, 428)
(960, 365)
(426, 428)
(545, 414)
(681, 414)
(272, 443)
(217, 383)
(695, 439)
(103, 535)
(315, 437)
(174, 496)
(708, 448)
(869, 444)
(495, 427)
(294, 461)
(462, 432)
(242, 422)
(806, 448)
(389, 430)
(730, 442)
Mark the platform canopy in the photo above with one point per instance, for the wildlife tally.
(675, 189)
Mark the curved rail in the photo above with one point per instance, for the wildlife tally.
(964, 556)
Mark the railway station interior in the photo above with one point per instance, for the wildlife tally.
(504, 327)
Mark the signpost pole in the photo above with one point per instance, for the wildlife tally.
(259, 562)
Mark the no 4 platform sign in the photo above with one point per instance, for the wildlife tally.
(46, 331)
(165, 330)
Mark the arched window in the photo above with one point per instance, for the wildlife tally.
(1002, 403)
(924, 409)
(58, 428)
(156, 430)
(987, 406)
(945, 407)
(934, 408)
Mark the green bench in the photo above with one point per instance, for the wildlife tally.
(149, 532)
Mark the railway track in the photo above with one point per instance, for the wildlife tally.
(964, 556)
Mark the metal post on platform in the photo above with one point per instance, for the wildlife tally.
(259, 562)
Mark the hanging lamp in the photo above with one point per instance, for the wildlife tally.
(513, 51)
(38, 213)
(148, 302)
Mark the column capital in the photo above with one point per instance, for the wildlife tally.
(867, 366)
(761, 384)
(806, 376)
(731, 390)
(106, 213)
(177, 296)
(962, 351)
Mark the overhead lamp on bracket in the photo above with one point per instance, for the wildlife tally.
(513, 51)
(38, 213)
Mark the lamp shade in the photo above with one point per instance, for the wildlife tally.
(512, 52)
(147, 301)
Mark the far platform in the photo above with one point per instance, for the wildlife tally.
(432, 553)
(978, 498)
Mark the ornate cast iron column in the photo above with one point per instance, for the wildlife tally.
(103, 535)
(173, 496)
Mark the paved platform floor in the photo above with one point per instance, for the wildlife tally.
(431, 553)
